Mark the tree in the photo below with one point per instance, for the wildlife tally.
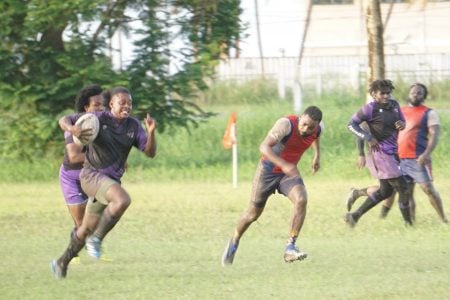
(374, 25)
(51, 49)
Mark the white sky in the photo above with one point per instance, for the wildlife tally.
(281, 26)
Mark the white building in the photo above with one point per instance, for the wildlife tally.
(417, 46)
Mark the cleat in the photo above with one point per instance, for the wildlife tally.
(350, 220)
(94, 247)
(228, 255)
(292, 254)
(351, 198)
(57, 270)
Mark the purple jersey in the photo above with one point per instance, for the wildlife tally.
(68, 138)
(381, 120)
(109, 151)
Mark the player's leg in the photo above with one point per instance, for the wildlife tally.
(401, 186)
(117, 200)
(77, 213)
(299, 199)
(74, 196)
(412, 200)
(263, 186)
(382, 193)
(386, 205)
(354, 195)
(248, 217)
(435, 199)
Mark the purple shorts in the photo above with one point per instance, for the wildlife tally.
(383, 166)
(71, 187)
(419, 173)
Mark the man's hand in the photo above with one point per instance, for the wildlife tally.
(289, 169)
(150, 123)
(361, 162)
(373, 145)
(399, 125)
(315, 165)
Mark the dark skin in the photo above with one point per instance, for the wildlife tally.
(118, 199)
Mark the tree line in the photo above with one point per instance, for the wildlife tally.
(50, 49)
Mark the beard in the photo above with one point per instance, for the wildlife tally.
(416, 102)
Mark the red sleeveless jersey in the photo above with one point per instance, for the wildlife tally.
(293, 145)
(412, 141)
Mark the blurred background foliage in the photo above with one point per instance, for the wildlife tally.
(51, 49)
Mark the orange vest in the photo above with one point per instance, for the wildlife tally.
(294, 145)
(412, 141)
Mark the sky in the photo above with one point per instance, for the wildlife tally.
(281, 26)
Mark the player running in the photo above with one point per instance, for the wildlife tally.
(277, 170)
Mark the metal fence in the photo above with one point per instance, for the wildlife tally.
(325, 72)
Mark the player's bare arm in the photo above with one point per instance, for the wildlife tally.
(400, 125)
(150, 147)
(66, 125)
(266, 149)
(316, 158)
(75, 153)
(433, 138)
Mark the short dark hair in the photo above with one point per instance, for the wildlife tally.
(107, 95)
(314, 113)
(83, 96)
(378, 85)
(425, 90)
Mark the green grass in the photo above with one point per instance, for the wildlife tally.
(169, 243)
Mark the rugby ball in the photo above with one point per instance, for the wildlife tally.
(87, 121)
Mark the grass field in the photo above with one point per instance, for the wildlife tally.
(169, 244)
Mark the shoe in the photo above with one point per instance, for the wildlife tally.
(292, 253)
(57, 270)
(351, 198)
(228, 255)
(94, 247)
(350, 220)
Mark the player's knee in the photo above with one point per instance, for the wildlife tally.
(429, 189)
(301, 201)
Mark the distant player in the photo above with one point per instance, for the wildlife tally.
(416, 143)
(277, 170)
(384, 118)
(365, 159)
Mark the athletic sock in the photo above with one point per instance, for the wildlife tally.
(106, 223)
(384, 211)
(75, 246)
(406, 213)
(367, 205)
(362, 192)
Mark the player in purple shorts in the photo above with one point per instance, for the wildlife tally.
(385, 119)
(103, 168)
(89, 99)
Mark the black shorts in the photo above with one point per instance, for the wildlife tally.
(265, 183)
